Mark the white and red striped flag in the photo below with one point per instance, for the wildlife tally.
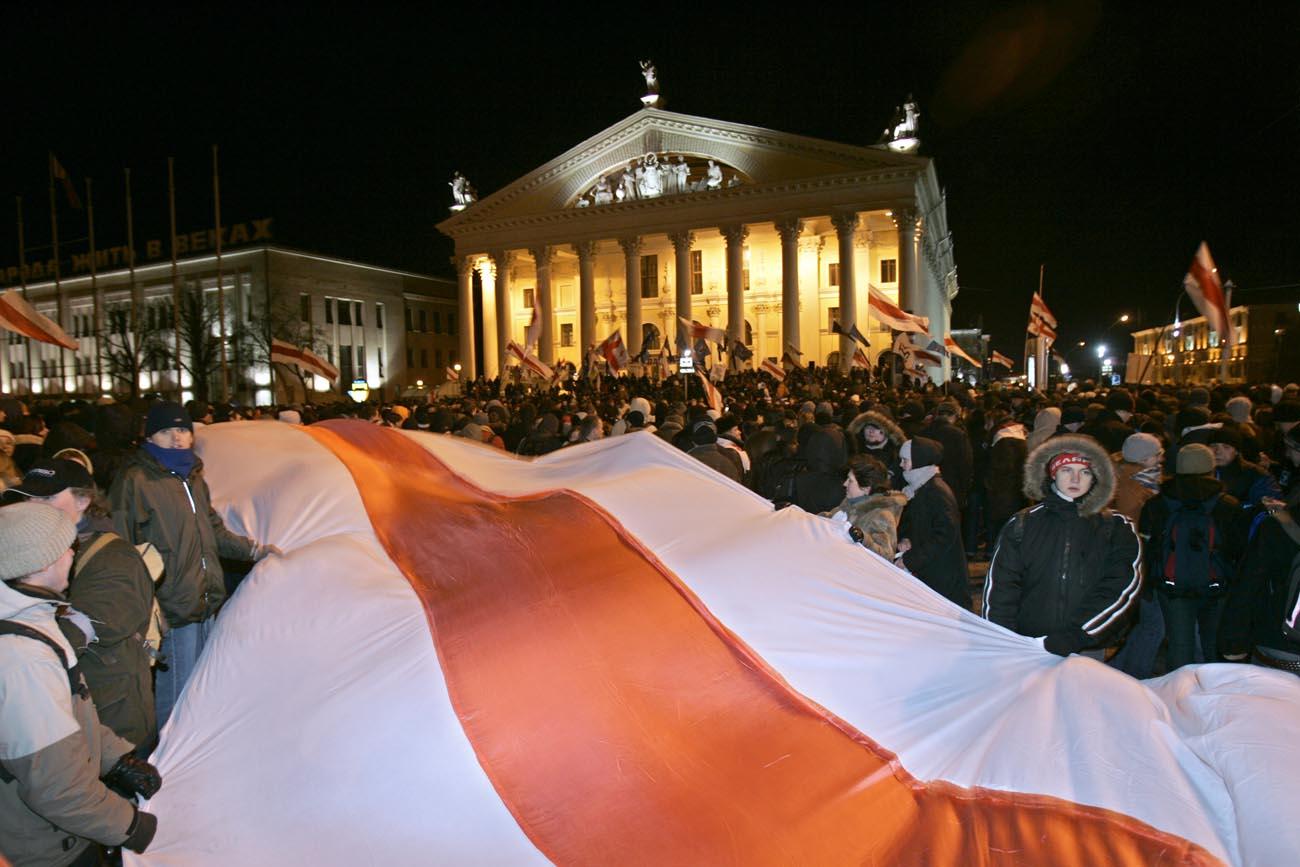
(453, 375)
(777, 371)
(1041, 321)
(614, 352)
(283, 352)
(59, 173)
(699, 331)
(533, 332)
(17, 315)
(711, 394)
(1206, 291)
(999, 358)
(860, 359)
(955, 349)
(894, 316)
(530, 361)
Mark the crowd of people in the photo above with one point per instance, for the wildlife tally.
(1148, 528)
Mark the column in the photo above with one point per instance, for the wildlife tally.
(465, 303)
(542, 258)
(586, 251)
(905, 218)
(789, 231)
(502, 259)
(487, 272)
(735, 236)
(682, 248)
(632, 280)
(845, 226)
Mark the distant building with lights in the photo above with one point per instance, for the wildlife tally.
(1186, 352)
(769, 235)
(390, 328)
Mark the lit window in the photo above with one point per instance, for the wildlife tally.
(566, 334)
(697, 272)
(650, 276)
(528, 297)
(833, 316)
(888, 270)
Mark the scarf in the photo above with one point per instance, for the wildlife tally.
(1149, 478)
(917, 477)
(178, 461)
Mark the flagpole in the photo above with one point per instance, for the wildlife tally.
(1040, 344)
(135, 301)
(1161, 336)
(176, 288)
(22, 277)
(98, 313)
(221, 286)
(58, 282)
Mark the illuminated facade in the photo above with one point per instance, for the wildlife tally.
(766, 234)
(1189, 351)
(387, 327)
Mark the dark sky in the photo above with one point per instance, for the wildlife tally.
(1101, 141)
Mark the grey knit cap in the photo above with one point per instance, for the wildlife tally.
(32, 536)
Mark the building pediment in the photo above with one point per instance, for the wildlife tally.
(740, 155)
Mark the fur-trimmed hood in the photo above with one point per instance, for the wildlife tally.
(892, 431)
(1037, 485)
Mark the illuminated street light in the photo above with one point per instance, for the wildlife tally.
(1101, 351)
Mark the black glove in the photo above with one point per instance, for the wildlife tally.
(133, 776)
(140, 834)
(1063, 642)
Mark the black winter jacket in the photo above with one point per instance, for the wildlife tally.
(932, 523)
(958, 464)
(1070, 577)
(1258, 603)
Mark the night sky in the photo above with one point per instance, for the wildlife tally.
(1103, 142)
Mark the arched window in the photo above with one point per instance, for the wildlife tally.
(749, 334)
(650, 337)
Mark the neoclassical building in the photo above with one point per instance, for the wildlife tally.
(766, 234)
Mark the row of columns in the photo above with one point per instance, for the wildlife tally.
(789, 230)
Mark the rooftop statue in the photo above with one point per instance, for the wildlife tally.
(901, 136)
(462, 191)
(651, 76)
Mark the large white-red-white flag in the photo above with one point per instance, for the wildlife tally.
(1041, 321)
(614, 352)
(17, 315)
(711, 394)
(894, 316)
(530, 361)
(533, 333)
(999, 358)
(284, 352)
(777, 371)
(955, 349)
(1206, 291)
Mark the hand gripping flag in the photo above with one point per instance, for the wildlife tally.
(954, 348)
(1041, 321)
(852, 332)
(698, 331)
(1206, 291)
(711, 393)
(530, 361)
(999, 358)
(17, 315)
(771, 367)
(894, 316)
(284, 352)
(614, 352)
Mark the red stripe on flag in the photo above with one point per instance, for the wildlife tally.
(18, 315)
(619, 720)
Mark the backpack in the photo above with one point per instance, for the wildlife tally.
(157, 628)
(1291, 613)
(1191, 562)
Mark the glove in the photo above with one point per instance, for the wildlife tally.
(260, 551)
(1063, 642)
(140, 834)
(133, 776)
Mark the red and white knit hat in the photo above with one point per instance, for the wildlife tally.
(1066, 459)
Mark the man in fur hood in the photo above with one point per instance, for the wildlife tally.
(1067, 570)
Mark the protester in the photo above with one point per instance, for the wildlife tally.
(930, 543)
(54, 807)
(870, 506)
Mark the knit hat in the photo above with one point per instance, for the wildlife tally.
(923, 452)
(1067, 459)
(32, 536)
(1192, 416)
(1240, 408)
(1194, 459)
(166, 415)
(913, 409)
(47, 477)
(1140, 447)
(1227, 436)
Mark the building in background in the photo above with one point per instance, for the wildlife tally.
(1267, 349)
(769, 235)
(365, 320)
